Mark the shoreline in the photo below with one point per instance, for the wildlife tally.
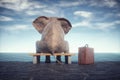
(14, 70)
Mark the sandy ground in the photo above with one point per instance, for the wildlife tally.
(53, 71)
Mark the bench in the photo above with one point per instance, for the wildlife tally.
(67, 56)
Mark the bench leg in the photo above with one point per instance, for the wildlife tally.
(68, 59)
(36, 59)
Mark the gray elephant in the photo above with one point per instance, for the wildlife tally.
(53, 30)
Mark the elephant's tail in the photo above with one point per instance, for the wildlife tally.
(56, 58)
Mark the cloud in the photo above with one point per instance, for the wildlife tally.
(5, 18)
(32, 12)
(104, 3)
(84, 14)
(97, 3)
(45, 12)
(69, 4)
(14, 4)
(20, 5)
(118, 14)
(49, 11)
(110, 3)
(105, 26)
(16, 28)
(82, 24)
(117, 22)
(9, 1)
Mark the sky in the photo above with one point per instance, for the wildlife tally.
(94, 22)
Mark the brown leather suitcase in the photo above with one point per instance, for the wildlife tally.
(86, 55)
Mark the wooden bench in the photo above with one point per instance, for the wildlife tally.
(67, 56)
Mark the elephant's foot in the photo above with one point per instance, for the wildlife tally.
(47, 59)
(58, 59)
(38, 59)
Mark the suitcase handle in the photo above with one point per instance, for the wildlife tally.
(86, 45)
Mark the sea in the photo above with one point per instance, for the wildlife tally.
(25, 57)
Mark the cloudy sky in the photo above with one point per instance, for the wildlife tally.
(94, 22)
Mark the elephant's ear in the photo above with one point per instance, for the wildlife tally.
(66, 25)
(39, 23)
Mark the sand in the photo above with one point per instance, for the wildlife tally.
(51, 71)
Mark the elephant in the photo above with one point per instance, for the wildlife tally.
(53, 30)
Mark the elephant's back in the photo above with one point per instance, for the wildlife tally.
(52, 45)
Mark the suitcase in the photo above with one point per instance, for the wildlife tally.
(85, 55)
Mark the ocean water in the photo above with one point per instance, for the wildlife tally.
(25, 57)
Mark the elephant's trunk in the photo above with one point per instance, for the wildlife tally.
(53, 36)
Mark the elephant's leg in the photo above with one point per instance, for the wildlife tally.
(47, 59)
(66, 47)
(66, 51)
(58, 58)
(38, 50)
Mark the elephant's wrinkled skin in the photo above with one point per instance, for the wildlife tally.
(53, 30)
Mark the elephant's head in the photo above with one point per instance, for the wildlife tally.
(53, 30)
(41, 22)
